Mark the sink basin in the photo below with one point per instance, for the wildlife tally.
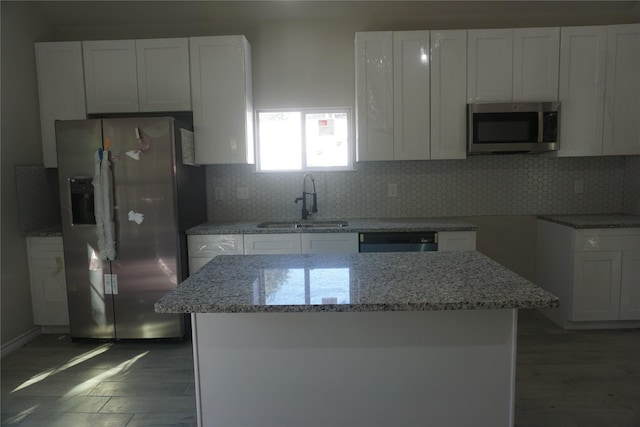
(303, 224)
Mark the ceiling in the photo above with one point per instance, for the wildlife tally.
(88, 13)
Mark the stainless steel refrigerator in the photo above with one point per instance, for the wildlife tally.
(128, 191)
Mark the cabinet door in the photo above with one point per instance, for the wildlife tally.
(630, 286)
(262, 244)
(374, 95)
(163, 74)
(596, 285)
(581, 90)
(48, 281)
(456, 241)
(49, 291)
(202, 248)
(536, 56)
(622, 95)
(490, 65)
(60, 90)
(221, 94)
(110, 76)
(329, 243)
(448, 94)
(411, 112)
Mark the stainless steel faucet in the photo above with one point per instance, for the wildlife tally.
(314, 197)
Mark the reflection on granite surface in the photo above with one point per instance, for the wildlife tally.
(400, 281)
(302, 286)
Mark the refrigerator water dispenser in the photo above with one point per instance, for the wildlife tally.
(81, 191)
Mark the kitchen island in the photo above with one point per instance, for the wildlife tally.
(368, 339)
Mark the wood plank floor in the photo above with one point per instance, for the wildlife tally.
(576, 378)
(564, 378)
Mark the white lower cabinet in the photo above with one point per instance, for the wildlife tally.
(295, 243)
(48, 282)
(630, 286)
(594, 272)
(329, 243)
(202, 248)
(264, 244)
(456, 241)
(596, 290)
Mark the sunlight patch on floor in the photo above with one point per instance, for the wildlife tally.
(86, 386)
(69, 364)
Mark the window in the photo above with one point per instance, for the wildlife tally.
(309, 139)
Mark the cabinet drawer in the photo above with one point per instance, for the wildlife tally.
(607, 239)
(255, 244)
(456, 241)
(329, 243)
(45, 247)
(208, 246)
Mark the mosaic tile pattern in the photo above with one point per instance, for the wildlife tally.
(481, 185)
(38, 198)
(632, 185)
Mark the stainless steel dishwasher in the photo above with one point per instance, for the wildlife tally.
(402, 241)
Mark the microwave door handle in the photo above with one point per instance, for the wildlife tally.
(540, 126)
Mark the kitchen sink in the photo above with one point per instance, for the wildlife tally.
(303, 224)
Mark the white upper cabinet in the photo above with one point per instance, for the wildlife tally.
(123, 76)
(411, 101)
(60, 90)
(622, 94)
(222, 97)
(110, 76)
(411, 95)
(490, 65)
(581, 90)
(374, 95)
(536, 57)
(448, 94)
(506, 65)
(163, 74)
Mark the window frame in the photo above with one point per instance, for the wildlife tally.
(303, 113)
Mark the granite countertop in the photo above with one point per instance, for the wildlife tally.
(595, 221)
(400, 281)
(356, 225)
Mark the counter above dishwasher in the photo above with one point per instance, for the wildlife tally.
(354, 225)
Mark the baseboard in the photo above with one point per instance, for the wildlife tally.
(19, 341)
(64, 330)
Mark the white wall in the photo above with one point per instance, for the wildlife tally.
(22, 25)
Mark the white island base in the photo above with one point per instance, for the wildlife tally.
(395, 369)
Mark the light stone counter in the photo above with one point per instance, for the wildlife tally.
(357, 225)
(401, 281)
(595, 221)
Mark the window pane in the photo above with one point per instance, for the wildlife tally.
(326, 139)
(280, 139)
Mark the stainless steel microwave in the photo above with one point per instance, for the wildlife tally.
(522, 127)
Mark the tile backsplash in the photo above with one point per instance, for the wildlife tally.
(480, 185)
(38, 198)
(632, 185)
